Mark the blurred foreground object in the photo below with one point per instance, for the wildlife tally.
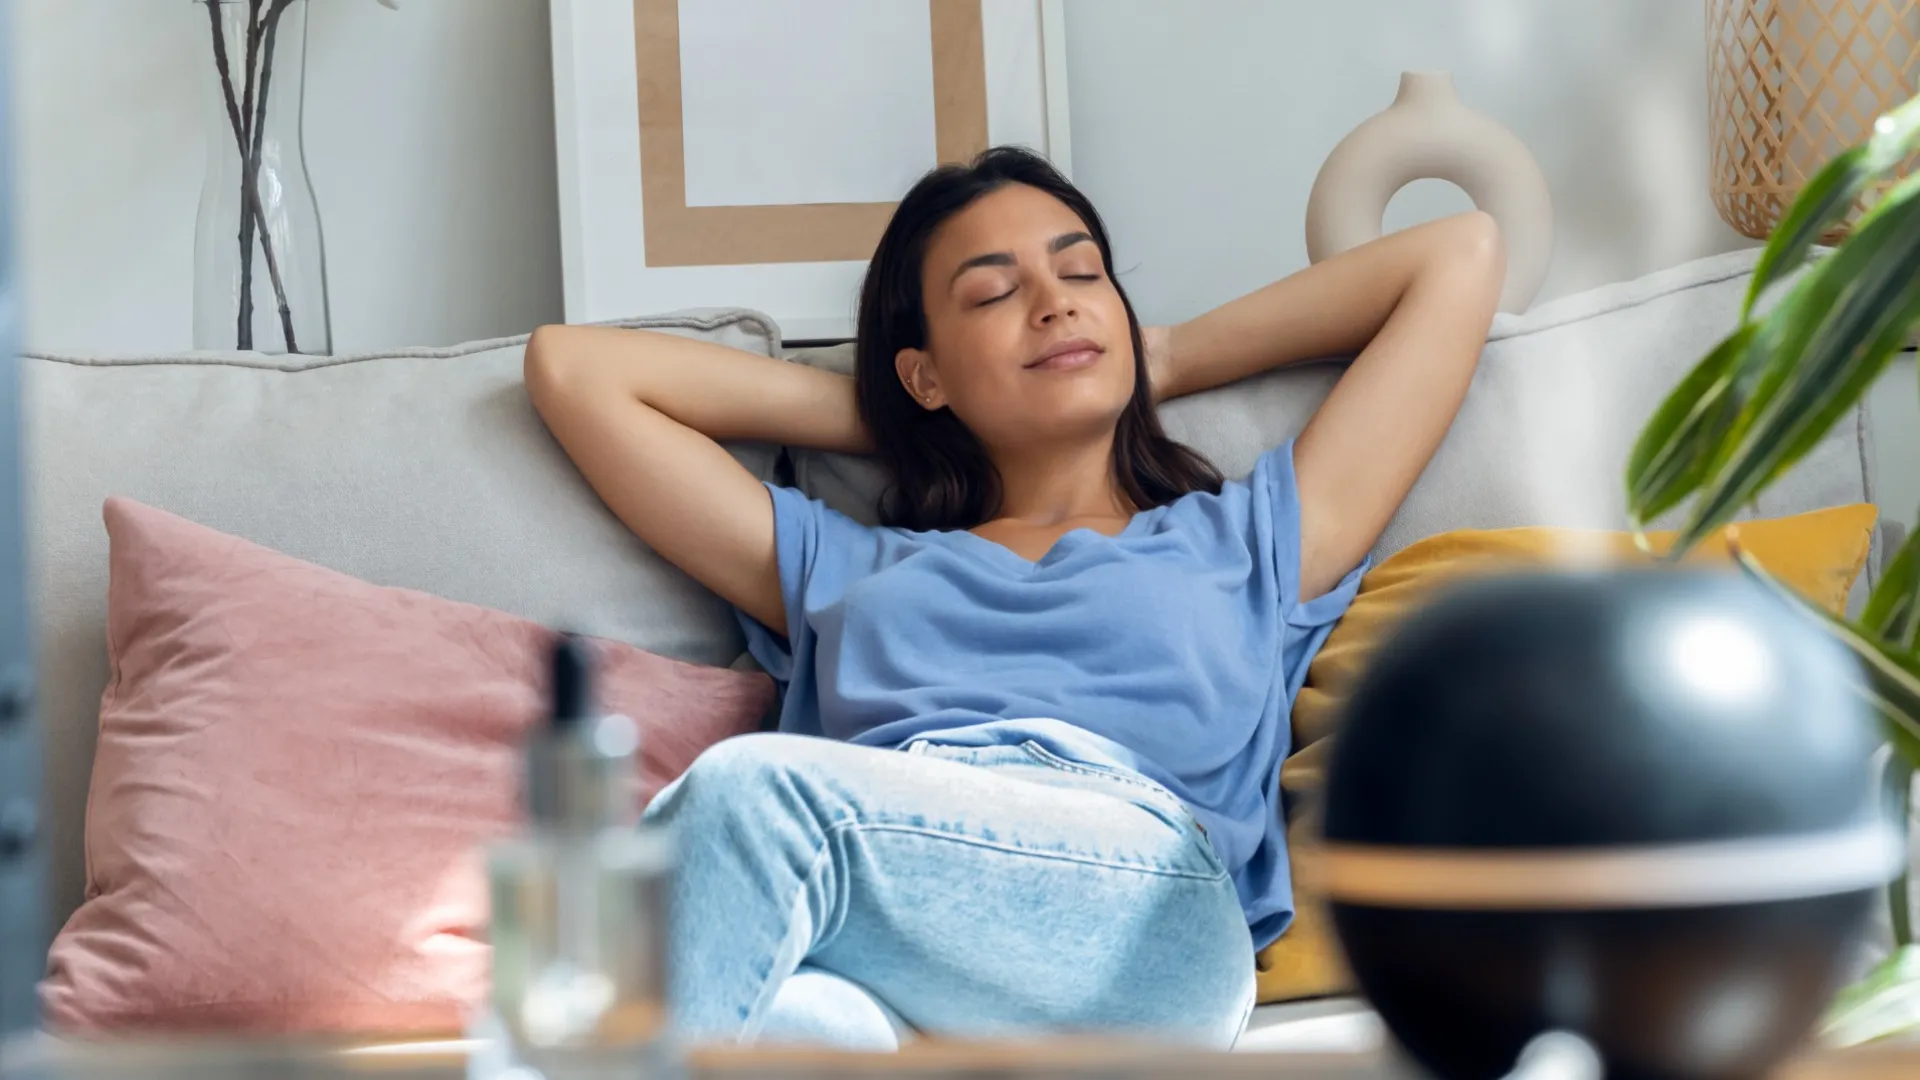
(579, 902)
(1634, 806)
(23, 943)
(1791, 83)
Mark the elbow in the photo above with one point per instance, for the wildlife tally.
(543, 367)
(1469, 255)
(1480, 244)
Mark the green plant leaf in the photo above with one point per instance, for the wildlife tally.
(1900, 896)
(1674, 450)
(1899, 781)
(1893, 611)
(1900, 734)
(1701, 425)
(1818, 207)
(1895, 135)
(1884, 1003)
(1890, 678)
(1778, 345)
(1874, 279)
(1892, 685)
(1827, 198)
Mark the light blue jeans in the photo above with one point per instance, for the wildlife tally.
(837, 894)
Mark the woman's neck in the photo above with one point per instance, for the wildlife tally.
(1053, 485)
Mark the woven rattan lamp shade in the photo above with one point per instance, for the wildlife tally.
(1791, 83)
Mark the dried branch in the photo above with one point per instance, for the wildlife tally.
(271, 32)
(270, 35)
(253, 64)
(226, 73)
(247, 115)
(244, 337)
(249, 132)
(249, 180)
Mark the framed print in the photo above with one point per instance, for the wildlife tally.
(747, 153)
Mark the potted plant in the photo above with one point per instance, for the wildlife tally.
(1818, 327)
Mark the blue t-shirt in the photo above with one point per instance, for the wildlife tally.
(1173, 649)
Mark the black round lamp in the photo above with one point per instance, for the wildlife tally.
(1634, 806)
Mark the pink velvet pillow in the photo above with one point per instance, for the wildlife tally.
(296, 770)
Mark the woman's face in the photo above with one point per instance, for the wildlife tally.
(1027, 338)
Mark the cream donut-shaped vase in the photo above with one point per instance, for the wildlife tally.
(1428, 134)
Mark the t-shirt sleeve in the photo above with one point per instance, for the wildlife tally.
(1276, 495)
(820, 552)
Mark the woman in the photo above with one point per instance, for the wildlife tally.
(1054, 688)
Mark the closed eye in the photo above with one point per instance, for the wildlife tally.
(996, 299)
(1081, 277)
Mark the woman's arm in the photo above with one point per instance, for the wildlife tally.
(1415, 305)
(640, 414)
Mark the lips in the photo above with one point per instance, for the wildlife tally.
(1066, 355)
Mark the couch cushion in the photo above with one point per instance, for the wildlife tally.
(1560, 395)
(423, 468)
(295, 776)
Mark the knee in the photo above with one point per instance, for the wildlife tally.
(815, 1008)
(747, 760)
(732, 776)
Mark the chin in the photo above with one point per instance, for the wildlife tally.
(1080, 416)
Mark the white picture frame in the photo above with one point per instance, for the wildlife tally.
(627, 74)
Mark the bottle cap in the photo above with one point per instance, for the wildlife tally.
(581, 772)
(570, 686)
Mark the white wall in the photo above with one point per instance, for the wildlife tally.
(1198, 128)
(429, 139)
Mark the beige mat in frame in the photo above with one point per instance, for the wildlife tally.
(682, 235)
(605, 219)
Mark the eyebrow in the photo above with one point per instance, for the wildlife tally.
(1001, 258)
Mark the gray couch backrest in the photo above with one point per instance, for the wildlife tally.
(427, 468)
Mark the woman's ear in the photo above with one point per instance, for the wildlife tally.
(915, 367)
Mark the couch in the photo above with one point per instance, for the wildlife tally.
(428, 468)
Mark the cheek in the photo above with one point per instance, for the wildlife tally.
(1123, 376)
(971, 352)
(1119, 337)
(1113, 314)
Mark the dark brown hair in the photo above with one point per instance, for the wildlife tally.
(940, 475)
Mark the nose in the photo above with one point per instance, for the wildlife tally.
(1052, 302)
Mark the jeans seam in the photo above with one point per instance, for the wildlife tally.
(753, 1016)
(1048, 757)
(1160, 792)
(1014, 849)
(1246, 1011)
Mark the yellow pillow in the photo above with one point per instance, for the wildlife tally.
(1819, 554)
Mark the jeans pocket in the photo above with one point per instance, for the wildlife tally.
(985, 757)
(1105, 772)
(1154, 798)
